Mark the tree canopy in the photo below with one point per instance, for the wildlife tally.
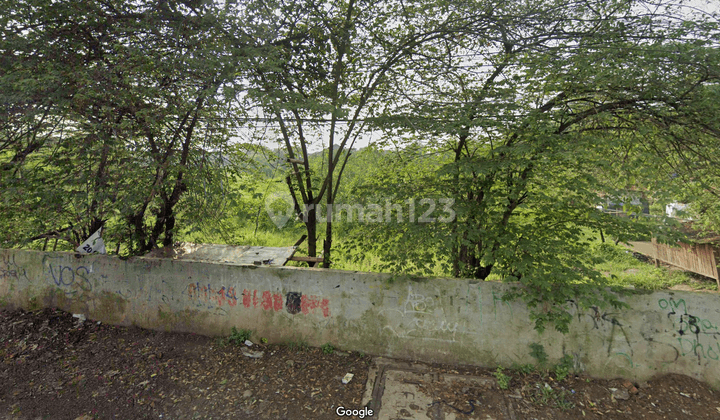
(509, 122)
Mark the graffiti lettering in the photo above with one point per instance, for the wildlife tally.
(685, 324)
(711, 351)
(433, 325)
(601, 318)
(308, 304)
(419, 320)
(672, 304)
(416, 303)
(74, 281)
(206, 295)
(294, 301)
(10, 269)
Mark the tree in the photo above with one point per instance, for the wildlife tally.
(532, 112)
(113, 112)
(325, 80)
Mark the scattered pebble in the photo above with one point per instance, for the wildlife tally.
(620, 394)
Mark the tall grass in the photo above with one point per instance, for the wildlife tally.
(615, 262)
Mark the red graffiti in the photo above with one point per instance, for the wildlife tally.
(267, 300)
(246, 298)
(325, 306)
(308, 304)
(232, 296)
(221, 296)
(208, 294)
(277, 302)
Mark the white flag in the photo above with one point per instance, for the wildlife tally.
(93, 245)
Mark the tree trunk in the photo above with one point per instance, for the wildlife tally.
(311, 225)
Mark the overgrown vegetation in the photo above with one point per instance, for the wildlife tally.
(503, 380)
(498, 129)
(537, 352)
(237, 337)
(544, 394)
(328, 348)
(298, 345)
(563, 368)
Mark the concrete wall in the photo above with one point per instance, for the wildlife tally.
(436, 320)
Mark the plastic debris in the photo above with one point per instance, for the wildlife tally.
(93, 245)
(252, 354)
(248, 343)
(81, 318)
(348, 377)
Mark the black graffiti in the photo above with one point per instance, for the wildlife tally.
(293, 302)
(689, 323)
(600, 318)
(10, 269)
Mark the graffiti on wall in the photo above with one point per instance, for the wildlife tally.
(73, 280)
(207, 295)
(420, 317)
(691, 336)
(696, 337)
(9, 269)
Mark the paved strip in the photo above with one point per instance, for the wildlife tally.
(394, 392)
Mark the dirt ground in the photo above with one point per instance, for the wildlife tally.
(58, 367)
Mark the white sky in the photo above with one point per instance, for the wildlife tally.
(691, 7)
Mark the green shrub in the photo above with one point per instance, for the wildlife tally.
(563, 369)
(328, 348)
(238, 337)
(537, 351)
(299, 345)
(503, 380)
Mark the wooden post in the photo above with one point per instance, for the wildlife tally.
(655, 252)
(717, 269)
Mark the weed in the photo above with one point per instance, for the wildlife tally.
(503, 380)
(264, 340)
(525, 369)
(238, 337)
(546, 395)
(562, 402)
(622, 269)
(562, 369)
(328, 348)
(537, 351)
(299, 345)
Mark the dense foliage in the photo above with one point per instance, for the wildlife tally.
(504, 126)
